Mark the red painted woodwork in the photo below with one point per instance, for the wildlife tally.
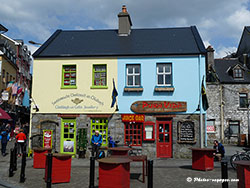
(164, 139)
(61, 168)
(119, 151)
(39, 158)
(243, 174)
(202, 159)
(114, 172)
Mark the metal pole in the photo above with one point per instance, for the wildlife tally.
(15, 157)
(248, 138)
(49, 169)
(22, 175)
(11, 163)
(92, 173)
(150, 173)
(224, 173)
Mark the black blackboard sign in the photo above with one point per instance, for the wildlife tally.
(186, 133)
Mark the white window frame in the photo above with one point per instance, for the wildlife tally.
(133, 74)
(164, 73)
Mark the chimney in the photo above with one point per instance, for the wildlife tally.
(210, 56)
(125, 22)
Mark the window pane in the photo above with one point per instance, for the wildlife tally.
(168, 68)
(168, 79)
(130, 80)
(160, 79)
(160, 68)
(137, 80)
(243, 100)
(130, 69)
(137, 69)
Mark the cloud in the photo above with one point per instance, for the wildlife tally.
(220, 23)
(223, 51)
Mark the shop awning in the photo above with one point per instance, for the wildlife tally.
(4, 115)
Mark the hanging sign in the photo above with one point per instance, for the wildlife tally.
(158, 106)
(138, 118)
(47, 138)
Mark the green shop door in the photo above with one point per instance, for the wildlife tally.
(68, 136)
(102, 126)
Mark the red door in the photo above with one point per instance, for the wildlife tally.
(164, 139)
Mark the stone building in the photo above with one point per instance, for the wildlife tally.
(228, 87)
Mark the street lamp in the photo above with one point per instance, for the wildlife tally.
(35, 43)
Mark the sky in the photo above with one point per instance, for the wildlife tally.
(220, 23)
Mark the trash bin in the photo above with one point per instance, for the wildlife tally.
(61, 168)
(114, 172)
(39, 159)
(243, 173)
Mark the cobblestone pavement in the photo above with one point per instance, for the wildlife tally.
(166, 173)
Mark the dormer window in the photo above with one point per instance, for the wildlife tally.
(238, 73)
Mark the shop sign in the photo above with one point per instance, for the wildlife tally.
(158, 106)
(47, 138)
(210, 129)
(186, 132)
(138, 118)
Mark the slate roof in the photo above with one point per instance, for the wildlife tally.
(244, 45)
(222, 68)
(92, 43)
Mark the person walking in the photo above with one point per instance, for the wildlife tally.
(96, 142)
(220, 151)
(4, 137)
(20, 139)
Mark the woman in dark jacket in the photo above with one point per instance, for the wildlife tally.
(4, 140)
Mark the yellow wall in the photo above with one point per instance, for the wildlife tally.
(50, 98)
(9, 68)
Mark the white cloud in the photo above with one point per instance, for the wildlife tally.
(224, 51)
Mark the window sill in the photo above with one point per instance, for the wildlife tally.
(243, 109)
(69, 87)
(164, 89)
(133, 89)
(99, 87)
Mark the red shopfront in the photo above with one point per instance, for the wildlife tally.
(159, 132)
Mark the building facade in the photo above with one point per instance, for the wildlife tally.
(157, 74)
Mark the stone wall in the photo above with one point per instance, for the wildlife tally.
(116, 130)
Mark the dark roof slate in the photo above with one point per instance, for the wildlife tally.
(222, 68)
(90, 43)
(244, 45)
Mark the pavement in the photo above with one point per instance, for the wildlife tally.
(175, 173)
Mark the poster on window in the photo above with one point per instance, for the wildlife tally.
(210, 127)
(47, 138)
(68, 146)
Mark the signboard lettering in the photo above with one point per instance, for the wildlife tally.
(133, 118)
(186, 132)
(47, 138)
(158, 106)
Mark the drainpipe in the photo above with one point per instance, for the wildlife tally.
(221, 115)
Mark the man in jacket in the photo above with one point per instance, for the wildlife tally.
(4, 140)
(220, 151)
(21, 139)
(96, 143)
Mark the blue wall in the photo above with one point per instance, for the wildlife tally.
(186, 76)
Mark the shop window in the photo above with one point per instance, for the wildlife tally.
(243, 100)
(234, 128)
(102, 126)
(99, 76)
(164, 74)
(149, 131)
(210, 126)
(133, 134)
(133, 75)
(69, 76)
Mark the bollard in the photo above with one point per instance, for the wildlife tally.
(22, 175)
(11, 162)
(15, 158)
(49, 169)
(224, 173)
(150, 173)
(92, 173)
